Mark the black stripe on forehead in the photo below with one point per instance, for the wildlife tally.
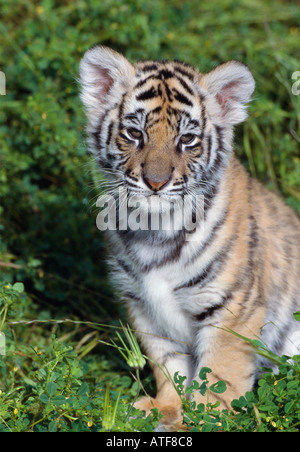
(185, 69)
(149, 94)
(182, 98)
(159, 73)
(150, 67)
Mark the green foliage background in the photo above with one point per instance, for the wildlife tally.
(48, 184)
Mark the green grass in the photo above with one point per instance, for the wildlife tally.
(60, 374)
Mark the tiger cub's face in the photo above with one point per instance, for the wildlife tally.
(162, 127)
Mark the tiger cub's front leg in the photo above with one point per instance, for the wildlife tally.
(166, 356)
(167, 400)
(230, 358)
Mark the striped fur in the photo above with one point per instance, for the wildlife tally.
(162, 129)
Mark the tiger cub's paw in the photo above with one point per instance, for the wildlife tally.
(172, 418)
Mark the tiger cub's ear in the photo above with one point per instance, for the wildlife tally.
(104, 77)
(231, 86)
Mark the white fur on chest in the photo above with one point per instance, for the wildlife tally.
(163, 306)
(172, 311)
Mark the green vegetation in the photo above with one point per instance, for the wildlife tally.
(273, 406)
(56, 309)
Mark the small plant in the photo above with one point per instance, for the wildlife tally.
(200, 417)
(275, 405)
(9, 294)
(109, 411)
(131, 351)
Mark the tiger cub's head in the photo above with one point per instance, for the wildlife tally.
(161, 127)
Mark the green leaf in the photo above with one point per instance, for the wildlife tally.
(18, 287)
(288, 406)
(193, 387)
(84, 389)
(293, 384)
(203, 373)
(297, 316)
(58, 400)
(51, 388)
(53, 426)
(218, 388)
(203, 388)
(44, 398)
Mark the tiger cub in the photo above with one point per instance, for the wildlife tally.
(161, 130)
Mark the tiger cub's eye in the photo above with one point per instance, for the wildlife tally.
(134, 134)
(187, 139)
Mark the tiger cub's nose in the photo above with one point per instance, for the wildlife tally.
(155, 185)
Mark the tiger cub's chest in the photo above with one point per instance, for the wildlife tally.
(175, 309)
(163, 304)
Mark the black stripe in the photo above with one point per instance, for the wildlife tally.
(109, 133)
(128, 174)
(182, 98)
(97, 132)
(196, 280)
(126, 268)
(176, 190)
(218, 225)
(212, 269)
(209, 196)
(194, 123)
(208, 312)
(170, 247)
(149, 67)
(168, 92)
(254, 234)
(154, 121)
(254, 293)
(149, 94)
(145, 80)
(155, 110)
(130, 184)
(182, 71)
(174, 112)
(203, 118)
(133, 120)
(96, 138)
(103, 162)
(132, 297)
(209, 145)
(185, 85)
(166, 259)
(220, 138)
(121, 109)
(122, 162)
(165, 74)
